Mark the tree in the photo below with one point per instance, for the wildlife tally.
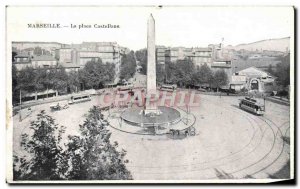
(45, 150)
(204, 75)
(141, 56)
(13, 55)
(14, 79)
(220, 79)
(92, 155)
(282, 71)
(89, 156)
(270, 69)
(26, 80)
(41, 80)
(36, 80)
(128, 66)
(58, 79)
(73, 81)
(185, 71)
(171, 69)
(180, 72)
(160, 73)
(96, 74)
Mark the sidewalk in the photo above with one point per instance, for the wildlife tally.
(278, 100)
(42, 101)
(51, 99)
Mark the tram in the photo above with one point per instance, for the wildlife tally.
(252, 105)
(125, 87)
(168, 87)
(79, 98)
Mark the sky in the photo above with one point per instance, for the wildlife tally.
(175, 26)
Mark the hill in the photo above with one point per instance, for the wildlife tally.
(280, 44)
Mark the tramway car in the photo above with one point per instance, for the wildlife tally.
(168, 87)
(252, 105)
(79, 98)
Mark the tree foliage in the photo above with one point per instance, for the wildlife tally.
(89, 156)
(181, 72)
(41, 79)
(45, 150)
(58, 79)
(96, 74)
(73, 81)
(160, 73)
(141, 56)
(220, 79)
(204, 75)
(14, 80)
(282, 71)
(128, 66)
(31, 80)
(92, 155)
(26, 79)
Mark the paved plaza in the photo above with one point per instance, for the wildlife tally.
(229, 142)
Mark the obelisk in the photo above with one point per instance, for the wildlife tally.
(151, 107)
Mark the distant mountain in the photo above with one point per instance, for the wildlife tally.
(281, 44)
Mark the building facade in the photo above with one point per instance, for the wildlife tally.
(77, 55)
(43, 61)
(64, 55)
(161, 54)
(22, 61)
(202, 56)
(199, 56)
(256, 79)
(44, 45)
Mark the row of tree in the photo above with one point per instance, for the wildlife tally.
(184, 72)
(93, 75)
(89, 156)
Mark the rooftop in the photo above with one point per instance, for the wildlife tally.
(43, 58)
(202, 49)
(22, 55)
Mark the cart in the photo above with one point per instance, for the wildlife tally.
(57, 107)
(190, 131)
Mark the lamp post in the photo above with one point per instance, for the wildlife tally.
(20, 116)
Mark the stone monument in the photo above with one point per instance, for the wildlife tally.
(161, 118)
(151, 106)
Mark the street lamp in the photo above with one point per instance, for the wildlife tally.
(20, 116)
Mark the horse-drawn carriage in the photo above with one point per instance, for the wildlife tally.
(57, 107)
(190, 131)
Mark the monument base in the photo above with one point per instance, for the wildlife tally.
(162, 116)
(152, 112)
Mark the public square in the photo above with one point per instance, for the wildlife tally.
(176, 113)
(229, 142)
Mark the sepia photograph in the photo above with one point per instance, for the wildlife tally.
(150, 94)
